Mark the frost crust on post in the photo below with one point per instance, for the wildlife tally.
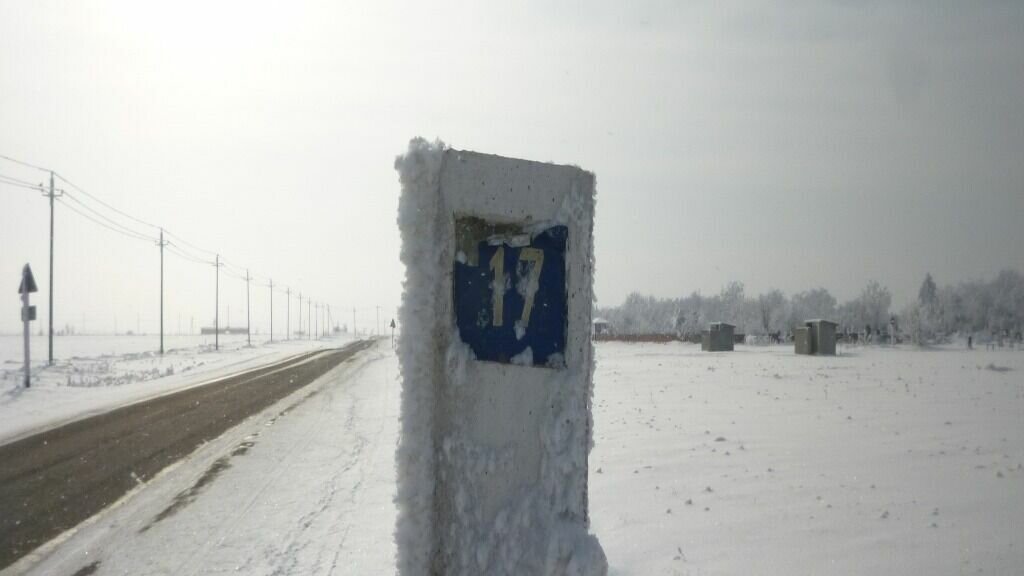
(419, 170)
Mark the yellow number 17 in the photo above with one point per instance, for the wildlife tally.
(497, 265)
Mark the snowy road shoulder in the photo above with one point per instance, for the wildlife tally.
(305, 487)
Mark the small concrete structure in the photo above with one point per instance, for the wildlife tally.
(718, 337)
(802, 340)
(601, 327)
(816, 337)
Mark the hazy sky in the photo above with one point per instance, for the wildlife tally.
(806, 144)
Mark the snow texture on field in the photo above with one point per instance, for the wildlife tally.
(758, 461)
(880, 461)
(94, 374)
(540, 528)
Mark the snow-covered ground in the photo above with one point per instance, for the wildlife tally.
(758, 461)
(92, 374)
(94, 345)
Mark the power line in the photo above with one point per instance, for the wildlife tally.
(128, 230)
(9, 159)
(101, 223)
(180, 247)
(23, 182)
(25, 186)
(188, 253)
(173, 249)
(125, 214)
(189, 244)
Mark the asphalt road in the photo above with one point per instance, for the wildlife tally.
(54, 480)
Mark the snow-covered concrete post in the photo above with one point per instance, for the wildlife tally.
(496, 363)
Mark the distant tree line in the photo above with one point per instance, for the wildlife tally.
(995, 307)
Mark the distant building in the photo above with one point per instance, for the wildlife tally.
(719, 337)
(816, 337)
(601, 327)
(223, 330)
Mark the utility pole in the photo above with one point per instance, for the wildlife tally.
(216, 304)
(316, 321)
(49, 360)
(162, 243)
(354, 332)
(299, 315)
(309, 317)
(271, 309)
(248, 331)
(288, 314)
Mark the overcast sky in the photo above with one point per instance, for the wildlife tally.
(807, 144)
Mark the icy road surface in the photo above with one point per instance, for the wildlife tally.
(753, 462)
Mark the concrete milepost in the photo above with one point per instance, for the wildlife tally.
(28, 314)
(497, 363)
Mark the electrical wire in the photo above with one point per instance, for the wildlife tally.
(113, 222)
(100, 222)
(189, 244)
(173, 249)
(20, 181)
(9, 159)
(187, 254)
(108, 206)
(25, 186)
(178, 248)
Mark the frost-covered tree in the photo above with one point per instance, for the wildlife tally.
(810, 304)
(771, 307)
(871, 308)
(923, 316)
(939, 311)
(927, 295)
(1006, 312)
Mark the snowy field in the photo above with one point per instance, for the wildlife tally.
(93, 374)
(759, 461)
(94, 345)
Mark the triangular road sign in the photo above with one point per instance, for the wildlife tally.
(28, 281)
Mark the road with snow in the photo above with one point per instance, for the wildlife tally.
(54, 480)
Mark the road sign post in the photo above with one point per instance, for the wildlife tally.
(28, 314)
(496, 362)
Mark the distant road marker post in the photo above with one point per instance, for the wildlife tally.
(28, 314)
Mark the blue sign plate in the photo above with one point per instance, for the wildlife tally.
(509, 292)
